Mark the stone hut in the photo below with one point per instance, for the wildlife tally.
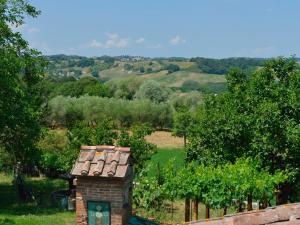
(103, 182)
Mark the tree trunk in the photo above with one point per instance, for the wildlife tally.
(187, 210)
(184, 140)
(225, 211)
(195, 209)
(283, 194)
(263, 204)
(207, 212)
(249, 202)
(240, 207)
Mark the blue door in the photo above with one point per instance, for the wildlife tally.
(98, 213)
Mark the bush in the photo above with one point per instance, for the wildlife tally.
(52, 145)
(172, 68)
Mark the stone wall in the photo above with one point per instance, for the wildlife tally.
(281, 215)
(103, 189)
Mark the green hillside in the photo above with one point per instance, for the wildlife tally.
(181, 74)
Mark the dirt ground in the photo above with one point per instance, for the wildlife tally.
(164, 139)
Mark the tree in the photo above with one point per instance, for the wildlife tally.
(105, 133)
(124, 88)
(172, 68)
(257, 117)
(152, 90)
(181, 123)
(141, 150)
(21, 69)
(142, 69)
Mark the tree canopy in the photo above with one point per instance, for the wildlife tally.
(21, 69)
(258, 116)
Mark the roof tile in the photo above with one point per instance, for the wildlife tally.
(102, 161)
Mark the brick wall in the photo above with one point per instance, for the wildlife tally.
(103, 189)
(280, 215)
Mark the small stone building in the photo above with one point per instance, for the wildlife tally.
(103, 181)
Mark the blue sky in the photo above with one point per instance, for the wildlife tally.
(188, 28)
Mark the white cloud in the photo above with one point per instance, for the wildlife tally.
(95, 44)
(140, 40)
(155, 46)
(32, 30)
(177, 40)
(113, 41)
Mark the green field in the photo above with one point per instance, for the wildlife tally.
(163, 156)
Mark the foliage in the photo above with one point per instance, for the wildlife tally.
(105, 133)
(223, 66)
(172, 68)
(93, 109)
(52, 145)
(181, 123)
(72, 87)
(141, 150)
(217, 187)
(21, 68)
(257, 116)
(124, 88)
(142, 69)
(152, 90)
(147, 192)
(128, 67)
(207, 88)
(83, 134)
(190, 100)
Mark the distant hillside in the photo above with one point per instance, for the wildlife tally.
(181, 74)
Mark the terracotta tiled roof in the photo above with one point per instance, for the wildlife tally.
(102, 161)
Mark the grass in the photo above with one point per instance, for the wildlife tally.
(164, 155)
(14, 212)
(166, 216)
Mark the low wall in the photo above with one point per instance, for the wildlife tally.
(281, 215)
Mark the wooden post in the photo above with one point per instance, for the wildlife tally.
(195, 209)
(207, 216)
(172, 211)
(249, 202)
(225, 211)
(187, 210)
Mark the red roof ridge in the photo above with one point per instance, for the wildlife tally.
(103, 161)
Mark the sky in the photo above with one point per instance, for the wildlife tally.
(166, 28)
